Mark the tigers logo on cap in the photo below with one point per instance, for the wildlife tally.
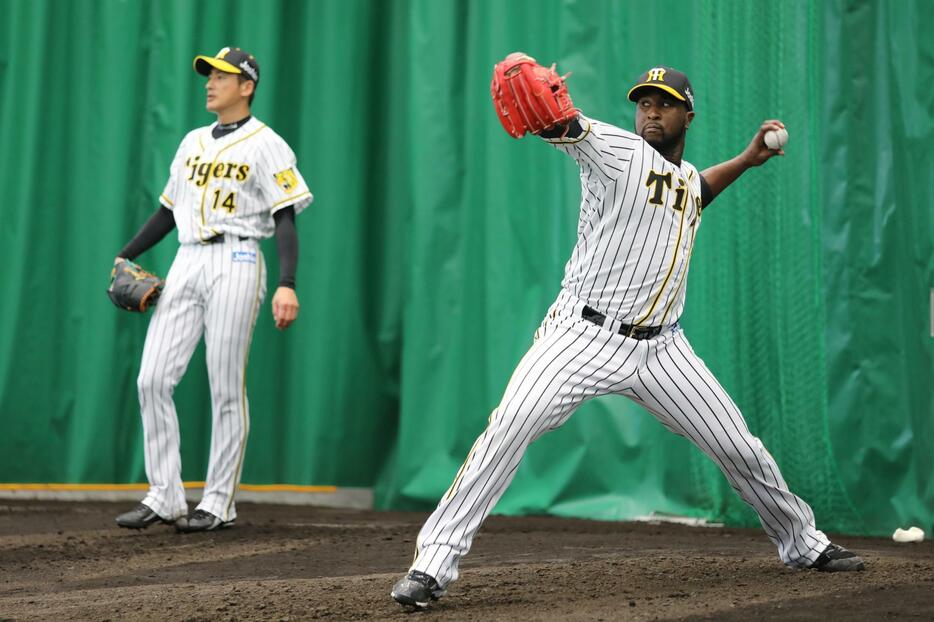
(667, 79)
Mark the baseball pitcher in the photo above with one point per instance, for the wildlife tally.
(614, 326)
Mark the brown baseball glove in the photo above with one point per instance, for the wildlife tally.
(133, 288)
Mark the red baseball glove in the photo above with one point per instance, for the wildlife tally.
(529, 97)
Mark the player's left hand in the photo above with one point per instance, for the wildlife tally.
(757, 152)
(284, 307)
(529, 97)
(133, 288)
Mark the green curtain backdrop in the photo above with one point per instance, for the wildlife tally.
(436, 242)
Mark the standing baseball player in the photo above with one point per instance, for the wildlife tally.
(614, 326)
(231, 184)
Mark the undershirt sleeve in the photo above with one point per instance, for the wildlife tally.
(156, 228)
(574, 130)
(286, 245)
(706, 195)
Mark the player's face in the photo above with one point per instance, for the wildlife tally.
(224, 91)
(661, 119)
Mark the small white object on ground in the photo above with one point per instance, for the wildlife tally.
(912, 534)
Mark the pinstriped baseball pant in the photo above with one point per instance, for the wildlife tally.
(573, 360)
(213, 290)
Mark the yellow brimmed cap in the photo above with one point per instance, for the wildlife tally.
(669, 80)
(228, 60)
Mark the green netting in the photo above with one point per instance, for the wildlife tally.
(436, 243)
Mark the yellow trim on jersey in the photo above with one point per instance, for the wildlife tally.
(671, 268)
(561, 141)
(291, 199)
(663, 87)
(460, 472)
(683, 278)
(687, 260)
(213, 163)
(245, 423)
(167, 200)
(218, 63)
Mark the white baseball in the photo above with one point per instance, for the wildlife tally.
(776, 139)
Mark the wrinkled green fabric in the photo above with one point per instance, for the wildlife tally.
(436, 243)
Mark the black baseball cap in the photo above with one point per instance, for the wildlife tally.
(229, 60)
(667, 79)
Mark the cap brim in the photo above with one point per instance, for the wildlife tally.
(204, 64)
(663, 87)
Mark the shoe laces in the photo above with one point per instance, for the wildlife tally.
(199, 514)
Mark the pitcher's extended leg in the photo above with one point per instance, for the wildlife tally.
(676, 386)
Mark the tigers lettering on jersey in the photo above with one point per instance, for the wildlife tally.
(203, 172)
(233, 184)
(660, 183)
(680, 195)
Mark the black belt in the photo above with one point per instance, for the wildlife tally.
(636, 332)
(220, 238)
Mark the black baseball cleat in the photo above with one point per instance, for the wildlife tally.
(837, 559)
(140, 517)
(416, 589)
(201, 521)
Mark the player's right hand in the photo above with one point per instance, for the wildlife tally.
(757, 152)
(284, 307)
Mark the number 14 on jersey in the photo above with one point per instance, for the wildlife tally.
(229, 203)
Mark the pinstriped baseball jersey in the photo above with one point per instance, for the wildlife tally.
(232, 184)
(638, 219)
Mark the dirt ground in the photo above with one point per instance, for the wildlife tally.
(69, 561)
